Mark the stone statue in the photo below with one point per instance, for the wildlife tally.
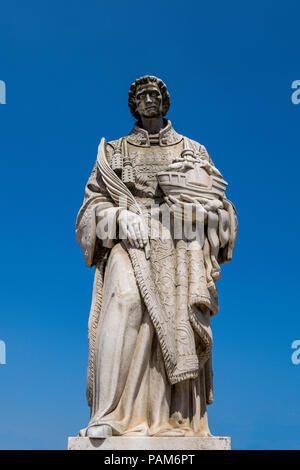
(149, 331)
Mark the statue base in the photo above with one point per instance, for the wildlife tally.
(150, 443)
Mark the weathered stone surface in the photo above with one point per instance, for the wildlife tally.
(157, 226)
(150, 443)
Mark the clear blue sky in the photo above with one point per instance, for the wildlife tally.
(229, 68)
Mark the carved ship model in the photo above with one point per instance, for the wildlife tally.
(196, 183)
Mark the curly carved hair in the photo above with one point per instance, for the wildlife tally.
(142, 81)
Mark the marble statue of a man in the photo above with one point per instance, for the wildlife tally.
(150, 339)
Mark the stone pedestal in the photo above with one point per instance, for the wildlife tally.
(150, 443)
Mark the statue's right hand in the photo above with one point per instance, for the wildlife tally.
(132, 227)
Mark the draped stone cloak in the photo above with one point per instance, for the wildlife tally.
(177, 282)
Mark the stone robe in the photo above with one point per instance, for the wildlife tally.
(150, 338)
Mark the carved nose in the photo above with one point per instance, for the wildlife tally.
(148, 98)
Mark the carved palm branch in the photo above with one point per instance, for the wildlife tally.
(117, 190)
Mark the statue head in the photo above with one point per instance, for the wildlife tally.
(148, 97)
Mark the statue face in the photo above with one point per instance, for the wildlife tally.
(148, 100)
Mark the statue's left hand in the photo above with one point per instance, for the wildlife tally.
(184, 207)
(206, 204)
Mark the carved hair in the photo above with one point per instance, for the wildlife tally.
(142, 81)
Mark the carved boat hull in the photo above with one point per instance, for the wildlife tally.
(194, 184)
